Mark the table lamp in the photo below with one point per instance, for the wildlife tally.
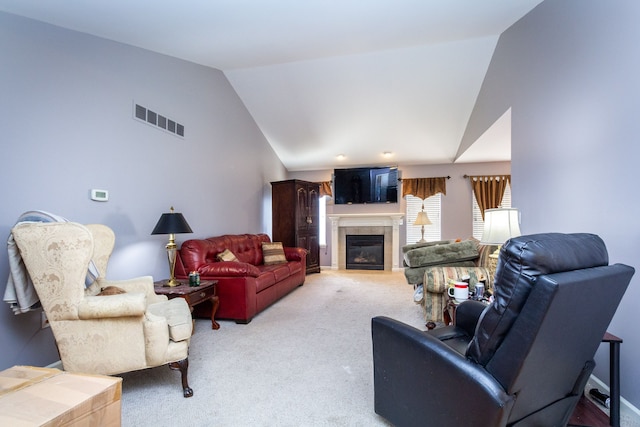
(422, 219)
(172, 223)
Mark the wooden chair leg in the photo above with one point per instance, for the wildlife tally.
(183, 366)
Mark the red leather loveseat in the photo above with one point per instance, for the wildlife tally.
(247, 286)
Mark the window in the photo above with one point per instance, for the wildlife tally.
(478, 223)
(322, 227)
(432, 207)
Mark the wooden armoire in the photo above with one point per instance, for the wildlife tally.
(295, 217)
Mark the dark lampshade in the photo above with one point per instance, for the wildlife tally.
(172, 223)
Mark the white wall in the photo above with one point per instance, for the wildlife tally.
(67, 126)
(569, 71)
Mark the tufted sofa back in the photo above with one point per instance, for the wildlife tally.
(247, 248)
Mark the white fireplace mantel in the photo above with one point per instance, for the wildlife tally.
(393, 220)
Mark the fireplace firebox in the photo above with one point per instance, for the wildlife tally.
(365, 252)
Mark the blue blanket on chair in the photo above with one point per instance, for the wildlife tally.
(20, 293)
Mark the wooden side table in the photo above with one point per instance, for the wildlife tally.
(194, 295)
(449, 312)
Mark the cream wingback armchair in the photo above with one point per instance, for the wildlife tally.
(101, 334)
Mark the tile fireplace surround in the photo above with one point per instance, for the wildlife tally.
(361, 224)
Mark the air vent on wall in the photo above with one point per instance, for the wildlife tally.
(157, 120)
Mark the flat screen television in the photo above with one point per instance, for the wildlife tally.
(365, 185)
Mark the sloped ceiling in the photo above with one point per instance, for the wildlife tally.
(322, 78)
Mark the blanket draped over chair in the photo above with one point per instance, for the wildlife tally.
(20, 293)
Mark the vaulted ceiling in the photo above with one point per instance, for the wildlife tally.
(327, 77)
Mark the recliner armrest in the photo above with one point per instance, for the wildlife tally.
(295, 254)
(109, 306)
(467, 315)
(229, 269)
(447, 253)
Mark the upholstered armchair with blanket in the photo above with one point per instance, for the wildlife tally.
(430, 266)
(109, 327)
(523, 360)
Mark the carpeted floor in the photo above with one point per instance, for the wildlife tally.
(305, 361)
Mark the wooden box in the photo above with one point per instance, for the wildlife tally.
(31, 396)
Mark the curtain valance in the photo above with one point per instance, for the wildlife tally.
(424, 187)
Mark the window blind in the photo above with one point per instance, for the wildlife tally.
(432, 208)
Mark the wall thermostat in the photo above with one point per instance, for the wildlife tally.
(99, 195)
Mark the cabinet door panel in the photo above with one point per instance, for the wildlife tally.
(302, 241)
(314, 210)
(302, 207)
(313, 257)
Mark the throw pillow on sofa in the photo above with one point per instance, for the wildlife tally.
(227, 255)
(273, 253)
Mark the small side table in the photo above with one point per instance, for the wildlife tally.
(614, 377)
(449, 312)
(194, 295)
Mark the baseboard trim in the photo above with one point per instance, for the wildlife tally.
(629, 414)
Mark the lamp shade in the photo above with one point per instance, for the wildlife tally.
(500, 225)
(422, 219)
(172, 223)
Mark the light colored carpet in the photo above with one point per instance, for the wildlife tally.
(305, 361)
